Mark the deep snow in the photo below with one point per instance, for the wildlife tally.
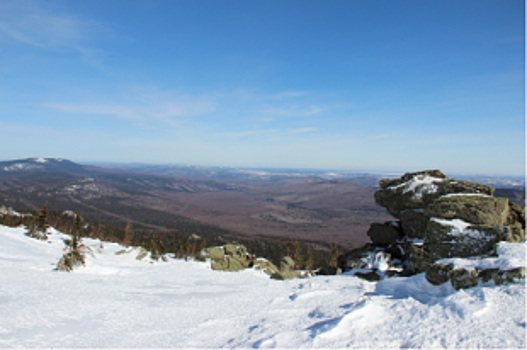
(119, 302)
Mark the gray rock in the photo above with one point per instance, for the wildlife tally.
(383, 234)
(329, 271)
(475, 209)
(413, 222)
(463, 279)
(371, 276)
(418, 190)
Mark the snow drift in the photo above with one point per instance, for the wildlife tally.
(117, 301)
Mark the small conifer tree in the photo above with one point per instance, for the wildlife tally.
(290, 248)
(202, 245)
(154, 250)
(310, 261)
(185, 248)
(42, 220)
(161, 248)
(75, 250)
(38, 228)
(297, 256)
(128, 235)
(333, 258)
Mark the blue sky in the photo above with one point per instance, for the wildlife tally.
(370, 85)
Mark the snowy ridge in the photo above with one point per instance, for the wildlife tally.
(22, 167)
(117, 301)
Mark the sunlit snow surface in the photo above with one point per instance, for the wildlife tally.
(119, 302)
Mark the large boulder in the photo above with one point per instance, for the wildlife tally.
(417, 190)
(476, 209)
(230, 257)
(458, 238)
(439, 218)
(462, 278)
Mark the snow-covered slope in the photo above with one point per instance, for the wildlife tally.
(119, 302)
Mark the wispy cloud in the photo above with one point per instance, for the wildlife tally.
(107, 110)
(40, 25)
(251, 133)
(301, 131)
(293, 111)
(288, 94)
(269, 132)
(144, 105)
(380, 136)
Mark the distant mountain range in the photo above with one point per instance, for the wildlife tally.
(49, 165)
(237, 202)
(274, 203)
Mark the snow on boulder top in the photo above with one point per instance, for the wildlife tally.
(420, 189)
(419, 184)
(465, 195)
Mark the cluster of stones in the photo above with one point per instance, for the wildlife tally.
(232, 257)
(438, 218)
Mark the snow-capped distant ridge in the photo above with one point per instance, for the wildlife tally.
(40, 160)
(40, 164)
(47, 160)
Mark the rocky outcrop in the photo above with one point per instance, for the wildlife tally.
(438, 218)
(231, 257)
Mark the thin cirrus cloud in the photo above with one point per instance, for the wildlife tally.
(33, 24)
(302, 131)
(293, 111)
(143, 104)
(168, 111)
(288, 94)
(105, 110)
(270, 132)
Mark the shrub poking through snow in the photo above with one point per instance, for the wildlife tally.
(75, 251)
(38, 228)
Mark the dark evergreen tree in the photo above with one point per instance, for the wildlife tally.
(75, 250)
(310, 260)
(42, 220)
(298, 257)
(128, 235)
(290, 248)
(38, 228)
(333, 258)
(154, 250)
(185, 247)
(202, 245)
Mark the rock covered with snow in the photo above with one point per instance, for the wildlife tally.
(441, 218)
(415, 191)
